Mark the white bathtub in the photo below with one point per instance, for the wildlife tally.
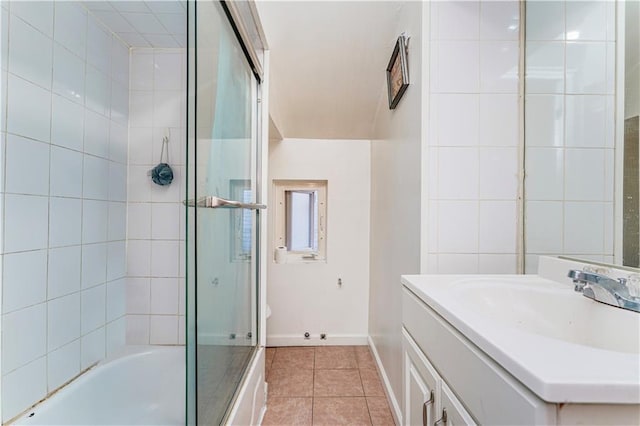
(143, 385)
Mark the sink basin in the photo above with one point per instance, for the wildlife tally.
(561, 345)
(550, 309)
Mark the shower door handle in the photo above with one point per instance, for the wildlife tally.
(212, 202)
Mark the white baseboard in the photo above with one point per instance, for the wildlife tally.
(331, 340)
(391, 397)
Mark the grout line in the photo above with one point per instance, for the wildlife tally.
(313, 383)
(366, 402)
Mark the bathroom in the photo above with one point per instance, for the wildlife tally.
(504, 152)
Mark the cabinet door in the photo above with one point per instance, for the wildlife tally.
(456, 415)
(420, 386)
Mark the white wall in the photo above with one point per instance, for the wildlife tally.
(396, 202)
(155, 255)
(448, 155)
(306, 296)
(569, 104)
(64, 147)
(472, 140)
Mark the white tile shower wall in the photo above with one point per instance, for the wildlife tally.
(473, 137)
(64, 139)
(569, 107)
(155, 271)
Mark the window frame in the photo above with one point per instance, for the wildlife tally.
(281, 187)
(313, 197)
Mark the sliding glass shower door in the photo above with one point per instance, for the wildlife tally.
(221, 215)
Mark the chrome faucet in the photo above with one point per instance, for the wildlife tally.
(604, 289)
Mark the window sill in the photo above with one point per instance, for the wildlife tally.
(297, 259)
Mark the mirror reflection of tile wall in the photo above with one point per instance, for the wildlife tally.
(569, 130)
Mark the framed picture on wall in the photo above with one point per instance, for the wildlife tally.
(397, 72)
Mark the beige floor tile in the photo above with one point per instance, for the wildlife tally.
(268, 357)
(291, 383)
(288, 411)
(294, 358)
(337, 383)
(364, 357)
(340, 411)
(343, 389)
(379, 411)
(371, 382)
(334, 357)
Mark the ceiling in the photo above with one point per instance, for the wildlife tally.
(328, 62)
(328, 58)
(160, 24)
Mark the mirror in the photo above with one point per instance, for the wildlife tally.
(581, 187)
(631, 174)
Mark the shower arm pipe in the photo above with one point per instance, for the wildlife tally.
(213, 202)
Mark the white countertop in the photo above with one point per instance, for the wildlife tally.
(557, 369)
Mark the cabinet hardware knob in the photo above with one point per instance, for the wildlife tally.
(443, 419)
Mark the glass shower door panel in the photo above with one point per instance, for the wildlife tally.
(225, 290)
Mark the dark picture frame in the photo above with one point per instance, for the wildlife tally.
(397, 72)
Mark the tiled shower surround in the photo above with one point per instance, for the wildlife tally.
(91, 248)
(65, 88)
(155, 271)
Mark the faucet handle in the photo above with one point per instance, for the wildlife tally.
(633, 285)
(576, 276)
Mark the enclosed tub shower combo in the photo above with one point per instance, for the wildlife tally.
(129, 297)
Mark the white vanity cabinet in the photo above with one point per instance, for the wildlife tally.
(421, 385)
(481, 372)
(469, 386)
(427, 398)
(453, 413)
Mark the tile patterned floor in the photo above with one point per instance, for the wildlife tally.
(324, 385)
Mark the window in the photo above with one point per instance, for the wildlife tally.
(301, 219)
